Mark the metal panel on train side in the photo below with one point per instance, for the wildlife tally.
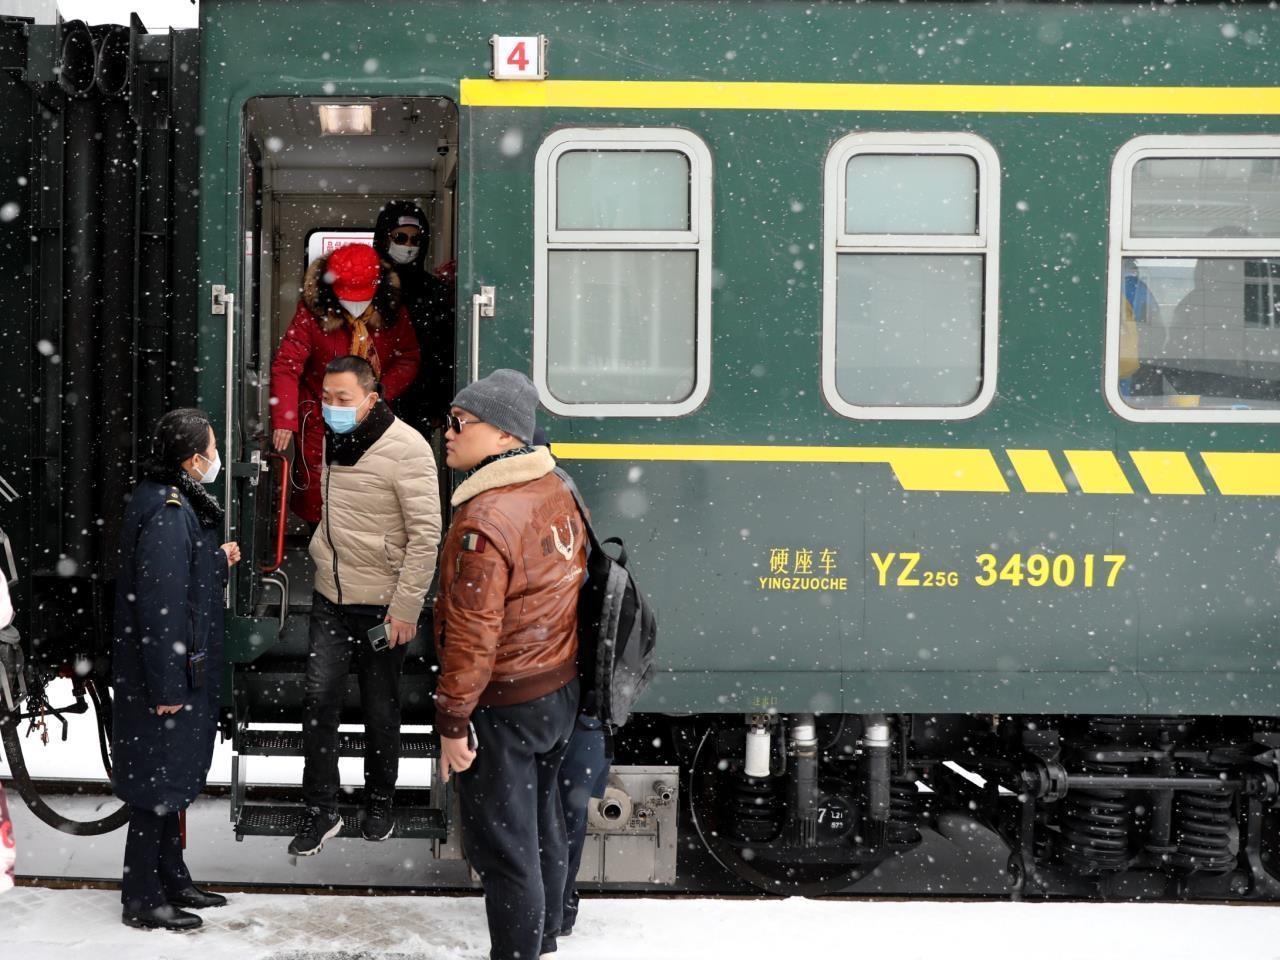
(701, 531)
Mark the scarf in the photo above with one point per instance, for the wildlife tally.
(346, 449)
(208, 510)
(517, 452)
(362, 340)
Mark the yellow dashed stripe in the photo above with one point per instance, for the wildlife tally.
(1245, 474)
(914, 97)
(975, 470)
(1036, 471)
(1098, 471)
(1167, 471)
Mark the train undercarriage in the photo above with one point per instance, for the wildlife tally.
(1087, 807)
(1080, 807)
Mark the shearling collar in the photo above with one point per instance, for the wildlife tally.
(504, 473)
(323, 303)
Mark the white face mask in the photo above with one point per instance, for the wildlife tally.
(402, 253)
(214, 468)
(355, 307)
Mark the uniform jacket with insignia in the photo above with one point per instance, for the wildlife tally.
(506, 618)
(169, 601)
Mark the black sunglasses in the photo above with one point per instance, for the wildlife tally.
(407, 239)
(456, 423)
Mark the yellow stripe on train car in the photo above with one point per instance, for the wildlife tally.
(889, 97)
(976, 469)
(1245, 474)
(1036, 471)
(955, 469)
(1167, 472)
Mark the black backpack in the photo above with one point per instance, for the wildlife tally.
(617, 630)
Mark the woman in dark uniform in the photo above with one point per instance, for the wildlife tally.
(167, 664)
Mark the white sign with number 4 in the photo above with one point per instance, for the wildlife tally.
(518, 58)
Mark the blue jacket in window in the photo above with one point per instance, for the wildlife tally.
(169, 600)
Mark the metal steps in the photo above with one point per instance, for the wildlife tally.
(282, 819)
(269, 693)
(288, 743)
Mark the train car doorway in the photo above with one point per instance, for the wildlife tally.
(317, 172)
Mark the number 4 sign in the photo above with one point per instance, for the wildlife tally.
(519, 58)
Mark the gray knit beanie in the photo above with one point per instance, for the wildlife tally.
(507, 399)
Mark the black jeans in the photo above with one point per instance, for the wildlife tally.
(584, 773)
(153, 866)
(339, 633)
(512, 822)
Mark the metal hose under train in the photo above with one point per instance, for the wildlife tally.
(31, 796)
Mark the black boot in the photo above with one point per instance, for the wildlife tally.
(164, 917)
(193, 898)
(379, 817)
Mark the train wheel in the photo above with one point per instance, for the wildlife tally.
(766, 865)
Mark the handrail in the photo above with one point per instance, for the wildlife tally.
(482, 305)
(282, 512)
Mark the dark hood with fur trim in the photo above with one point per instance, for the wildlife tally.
(320, 299)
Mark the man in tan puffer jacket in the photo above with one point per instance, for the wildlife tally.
(375, 554)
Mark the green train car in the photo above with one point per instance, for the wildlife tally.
(925, 355)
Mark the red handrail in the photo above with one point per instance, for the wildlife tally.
(282, 514)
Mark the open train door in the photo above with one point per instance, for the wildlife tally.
(314, 173)
(98, 204)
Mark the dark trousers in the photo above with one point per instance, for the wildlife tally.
(339, 633)
(153, 864)
(512, 823)
(584, 773)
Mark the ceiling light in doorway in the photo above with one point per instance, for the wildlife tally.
(346, 119)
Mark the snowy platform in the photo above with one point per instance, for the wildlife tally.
(43, 924)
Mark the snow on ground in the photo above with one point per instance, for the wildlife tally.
(42, 924)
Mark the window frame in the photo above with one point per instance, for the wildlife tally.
(697, 239)
(984, 242)
(1121, 244)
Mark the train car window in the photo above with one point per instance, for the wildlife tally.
(623, 190)
(893, 193)
(322, 242)
(910, 275)
(622, 277)
(1193, 289)
(1201, 196)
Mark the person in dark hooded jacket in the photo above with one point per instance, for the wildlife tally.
(167, 664)
(401, 236)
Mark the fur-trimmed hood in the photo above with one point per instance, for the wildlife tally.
(320, 299)
(504, 473)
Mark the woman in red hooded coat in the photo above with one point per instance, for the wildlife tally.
(350, 304)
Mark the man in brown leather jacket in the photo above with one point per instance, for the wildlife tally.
(506, 624)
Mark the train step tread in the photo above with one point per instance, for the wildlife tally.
(288, 743)
(281, 820)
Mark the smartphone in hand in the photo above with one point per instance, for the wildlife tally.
(378, 638)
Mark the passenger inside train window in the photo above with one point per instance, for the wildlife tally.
(350, 305)
(1216, 349)
(401, 237)
(1201, 239)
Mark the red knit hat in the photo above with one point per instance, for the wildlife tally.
(353, 271)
